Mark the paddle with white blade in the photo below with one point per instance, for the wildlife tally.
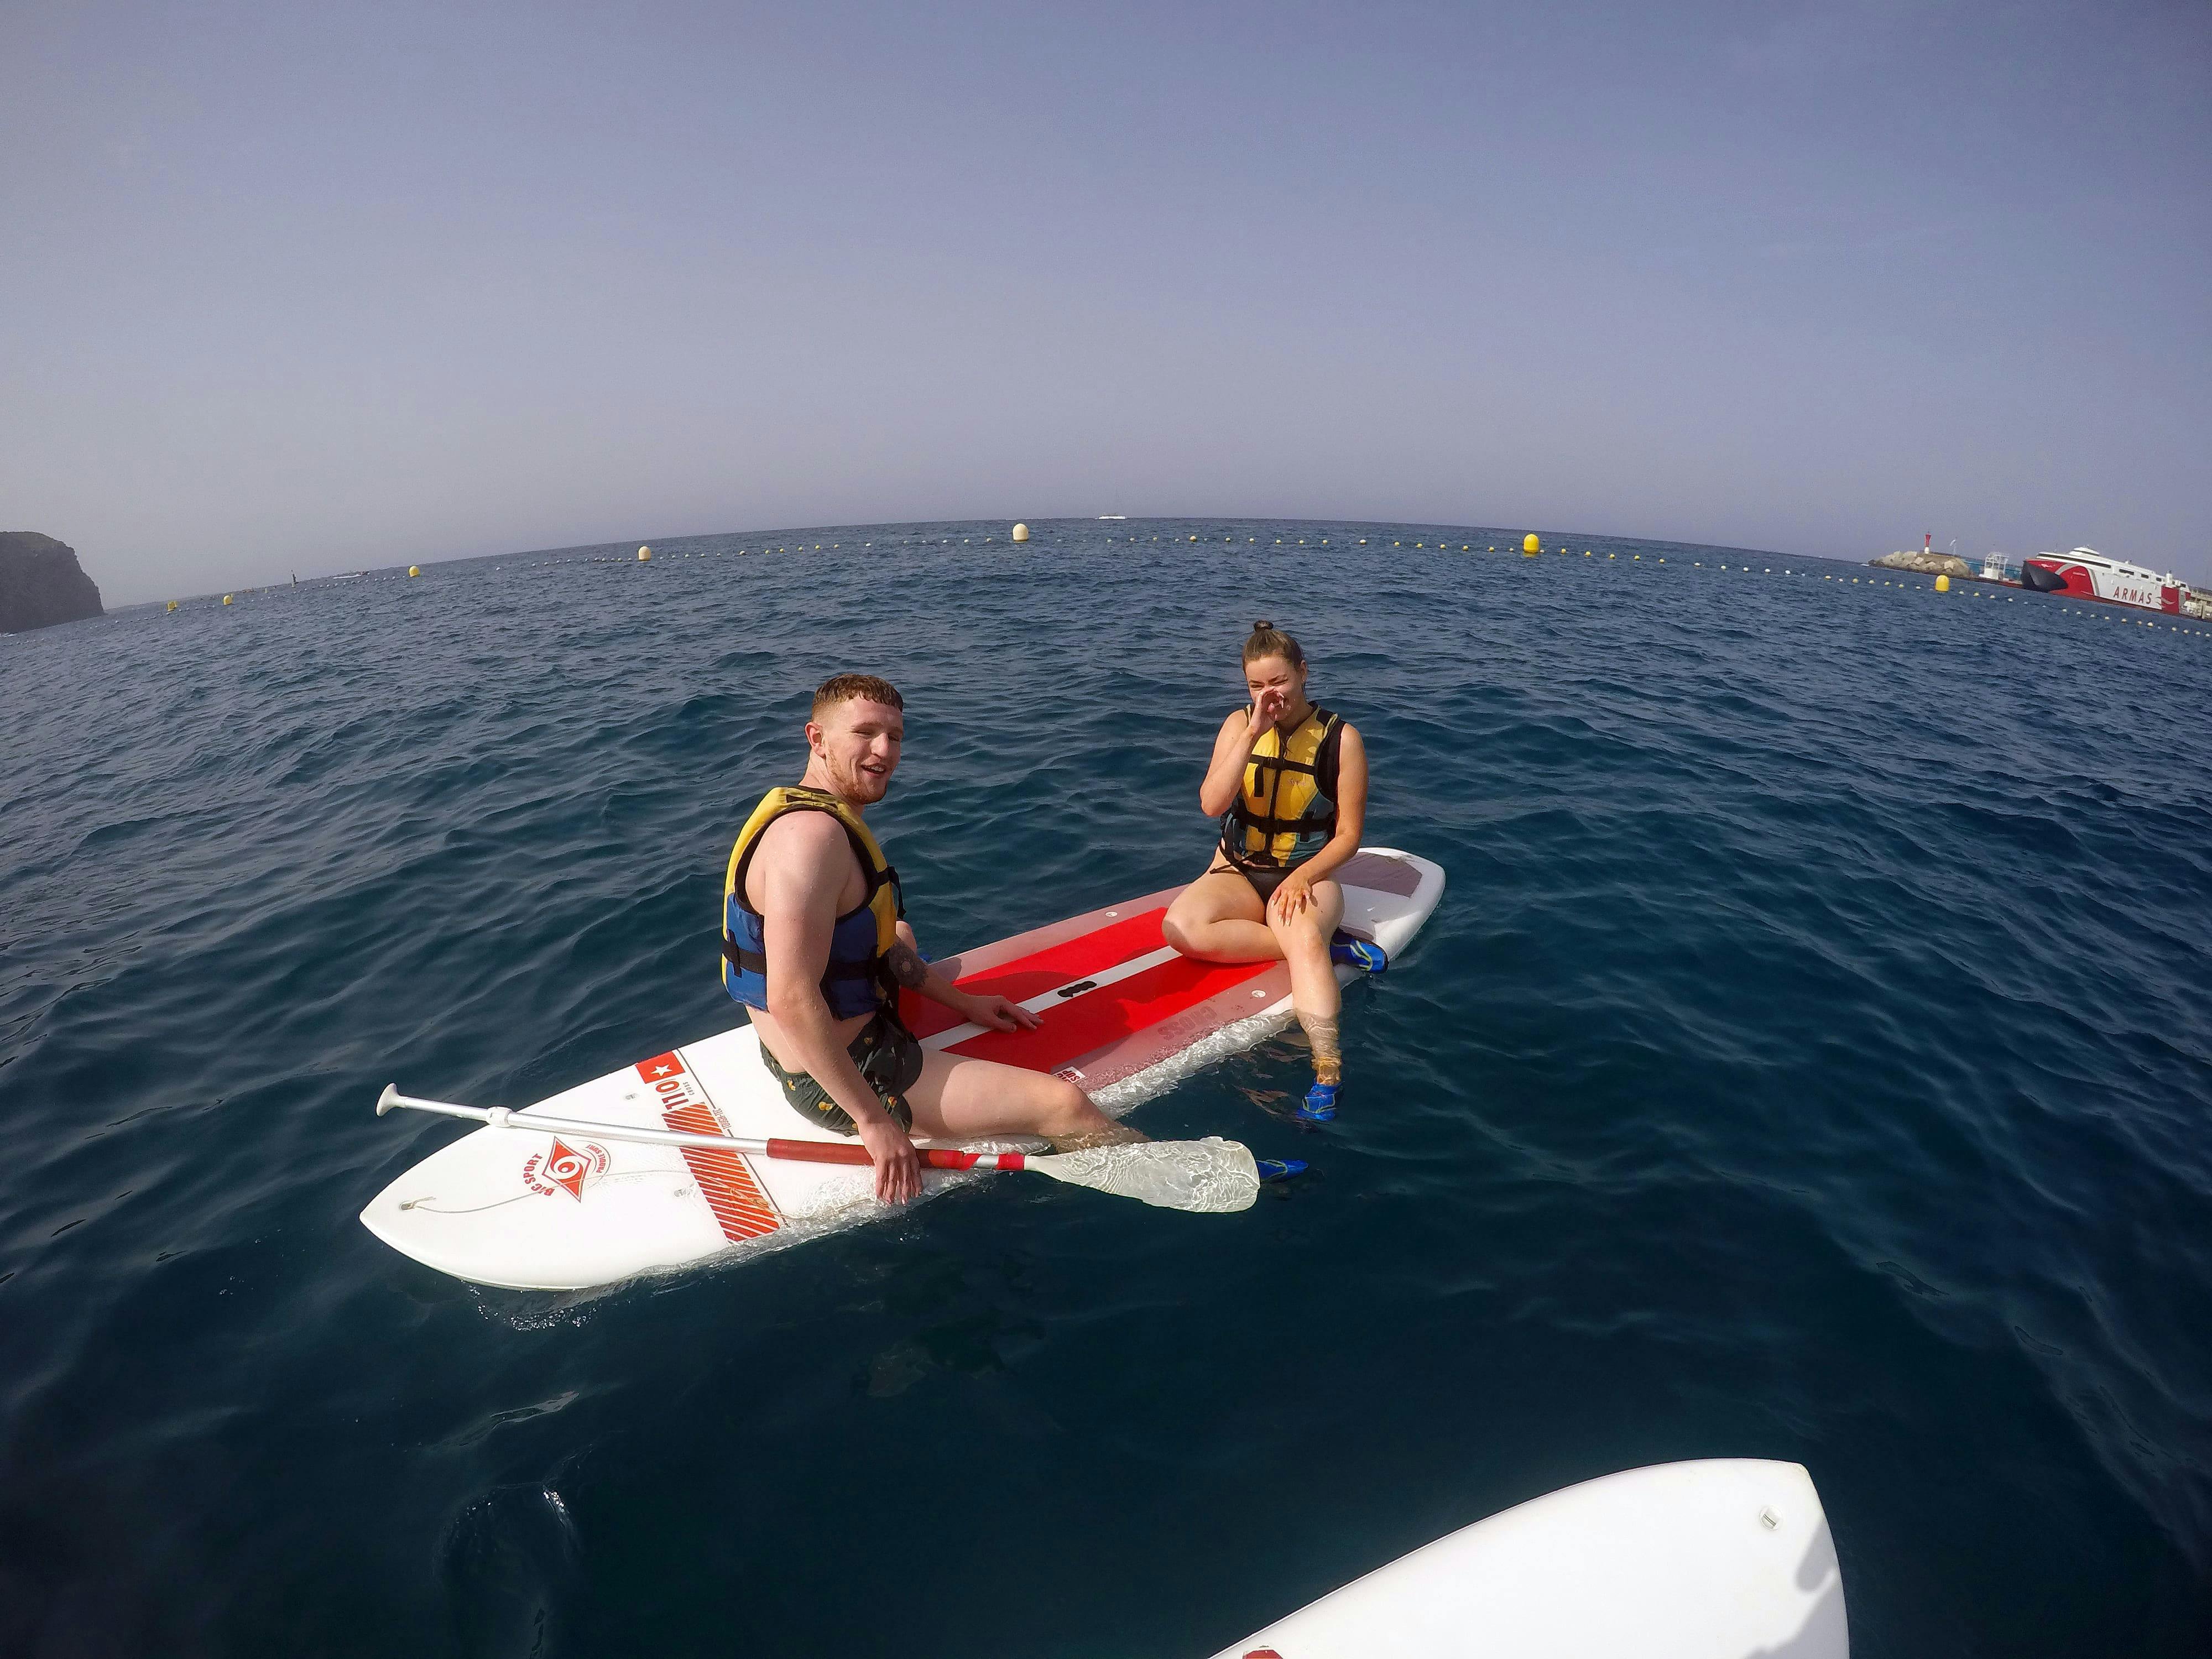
(1210, 1177)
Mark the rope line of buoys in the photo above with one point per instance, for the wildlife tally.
(1532, 546)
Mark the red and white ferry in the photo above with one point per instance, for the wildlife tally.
(2086, 574)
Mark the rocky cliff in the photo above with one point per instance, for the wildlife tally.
(41, 583)
(1928, 564)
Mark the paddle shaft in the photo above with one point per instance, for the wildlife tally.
(796, 1152)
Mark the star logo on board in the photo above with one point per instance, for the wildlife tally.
(658, 1068)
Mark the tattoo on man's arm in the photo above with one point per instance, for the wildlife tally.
(906, 966)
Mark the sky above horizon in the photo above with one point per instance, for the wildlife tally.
(307, 289)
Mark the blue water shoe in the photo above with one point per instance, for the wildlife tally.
(1361, 953)
(1279, 1168)
(1319, 1103)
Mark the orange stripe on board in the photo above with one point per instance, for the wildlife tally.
(740, 1208)
(738, 1204)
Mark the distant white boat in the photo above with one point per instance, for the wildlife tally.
(1104, 517)
(2086, 574)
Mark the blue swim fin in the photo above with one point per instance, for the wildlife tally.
(1362, 953)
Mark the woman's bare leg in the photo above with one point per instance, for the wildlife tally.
(1219, 918)
(1303, 941)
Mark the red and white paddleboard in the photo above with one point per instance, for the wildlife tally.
(1125, 1016)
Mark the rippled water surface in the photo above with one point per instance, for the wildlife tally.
(1811, 1060)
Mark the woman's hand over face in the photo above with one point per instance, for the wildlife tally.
(1266, 710)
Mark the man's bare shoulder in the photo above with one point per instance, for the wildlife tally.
(801, 865)
(804, 839)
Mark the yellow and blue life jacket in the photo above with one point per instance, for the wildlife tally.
(858, 980)
(1287, 812)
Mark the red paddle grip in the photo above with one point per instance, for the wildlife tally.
(850, 1152)
(819, 1151)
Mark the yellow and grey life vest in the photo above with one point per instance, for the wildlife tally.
(858, 980)
(1286, 811)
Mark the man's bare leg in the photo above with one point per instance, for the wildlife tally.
(958, 1098)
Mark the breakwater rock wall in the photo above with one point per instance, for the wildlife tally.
(41, 583)
(1928, 564)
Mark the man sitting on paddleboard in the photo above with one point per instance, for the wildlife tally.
(1289, 783)
(815, 945)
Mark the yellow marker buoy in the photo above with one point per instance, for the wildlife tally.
(412, 570)
(1531, 543)
(172, 605)
(644, 555)
(1022, 534)
(1586, 553)
(1942, 584)
(226, 598)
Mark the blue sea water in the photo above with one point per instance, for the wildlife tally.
(1811, 1060)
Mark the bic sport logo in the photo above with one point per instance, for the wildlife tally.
(564, 1169)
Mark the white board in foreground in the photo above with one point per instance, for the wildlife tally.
(1722, 1559)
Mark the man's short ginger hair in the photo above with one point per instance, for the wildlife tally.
(844, 688)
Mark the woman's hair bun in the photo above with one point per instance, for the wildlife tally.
(1265, 640)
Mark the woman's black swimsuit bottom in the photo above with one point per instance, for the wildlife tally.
(889, 1060)
(1264, 881)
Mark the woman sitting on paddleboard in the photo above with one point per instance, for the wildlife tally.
(1289, 783)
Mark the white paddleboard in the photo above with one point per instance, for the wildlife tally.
(1125, 1015)
(1723, 1558)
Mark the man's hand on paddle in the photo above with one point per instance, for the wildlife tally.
(898, 1170)
(1001, 1014)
